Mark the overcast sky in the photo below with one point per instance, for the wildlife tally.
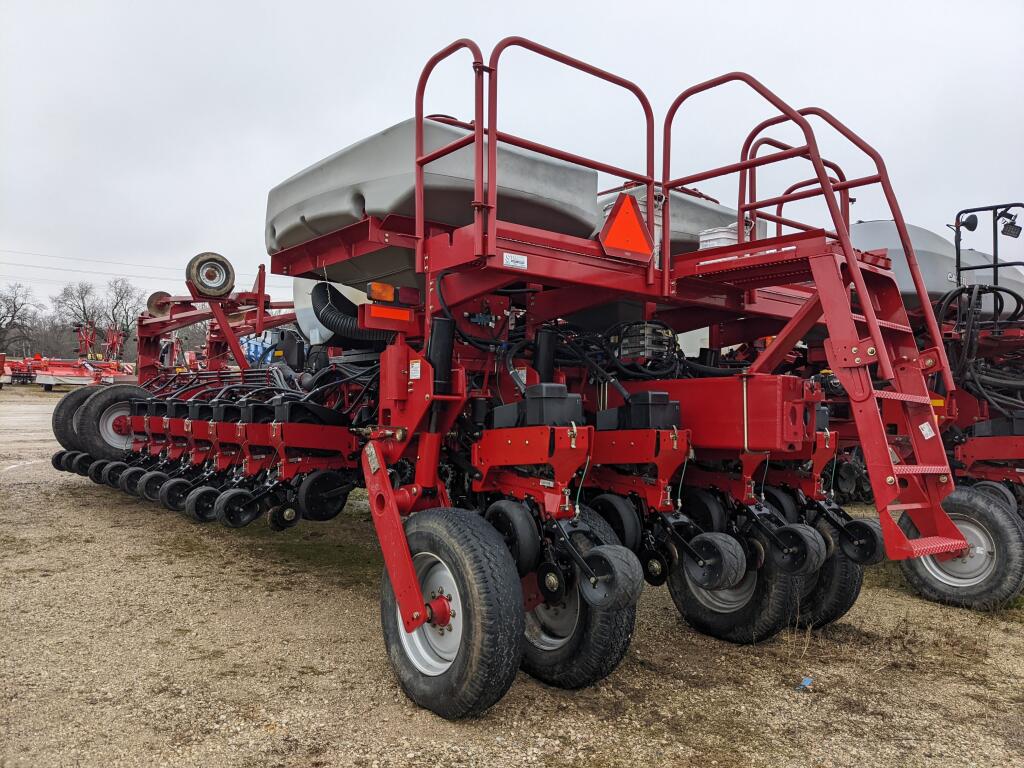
(135, 134)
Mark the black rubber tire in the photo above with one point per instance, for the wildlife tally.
(310, 501)
(597, 644)
(87, 419)
(96, 470)
(615, 564)
(62, 420)
(783, 501)
(236, 508)
(705, 508)
(111, 474)
(173, 493)
(811, 555)
(831, 592)
(515, 524)
(129, 480)
(998, 493)
(68, 459)
(1006, 580)
(768, 610)
(55, 460)
(200, 502)
(492, 614)
(278, 517)
(47, 387)
(150, 484)
(730, 561)
(622, 516)
(194, 273)
(81, 464)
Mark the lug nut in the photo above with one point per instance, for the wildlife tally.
(551, 582)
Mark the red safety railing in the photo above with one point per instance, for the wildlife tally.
(484, 228)
(827, 189)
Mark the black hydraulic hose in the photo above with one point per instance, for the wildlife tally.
(338, 315)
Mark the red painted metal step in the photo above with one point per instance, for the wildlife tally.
(903, 397)
(935, 545)
(921, 469)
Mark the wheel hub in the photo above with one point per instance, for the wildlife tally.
(433, 647)
(972, 565)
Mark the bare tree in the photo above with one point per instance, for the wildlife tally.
(78, 304)
(18, 314)
(122, 304)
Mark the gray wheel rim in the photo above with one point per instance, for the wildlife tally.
(974, 565)
(725, 600)
(430, 648)
(212, 275)
(550, 627)
(106, 426)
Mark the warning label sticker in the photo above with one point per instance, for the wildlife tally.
(515, 260)
(414, 369)
(927, 430)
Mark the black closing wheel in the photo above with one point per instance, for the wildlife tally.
(997, 492)
(81, 463)
(55, 460)
(111, 474)
(460, 669)
(985, 576)
(199, 503)
(150, 483)
(129, 480)
(96, 470)
(101, 422)
(864, 544)
(569, 644)
(617, 579)
(622, 516)
(236, 508)
(517, 527)
(802, 551)
(173, 492)
(722, 562)
(756, 609)
(832, 590)
(62, 420)
(322, 495)
(68, 459)
(282, 517)
(211, 274)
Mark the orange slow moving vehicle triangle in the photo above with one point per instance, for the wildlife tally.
(624, 234)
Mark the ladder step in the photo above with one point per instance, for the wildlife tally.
(903, 397)
(886, 324)
(935, 545)
(920, 469)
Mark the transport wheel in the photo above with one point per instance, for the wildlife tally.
(129, 480)
(101, 422)
(756, 609)
(282, 517)
(111, 474)
(989, 573)
(81, 463)
(199, 503)
(516, 526)
(570, 644)
(830, 592)
(211, 274)
(463, 668)
(96, 470)
(236, 508)
(622, 516)
(150, 483)
(173, 493)
(722, 564)
(63, 416)
(68, 459)
(997, 492)
(322, 495)
(55, 460)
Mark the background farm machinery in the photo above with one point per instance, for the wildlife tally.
(511, 392)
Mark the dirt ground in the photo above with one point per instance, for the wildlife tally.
(132, 637)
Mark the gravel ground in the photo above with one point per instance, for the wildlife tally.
(131, 637)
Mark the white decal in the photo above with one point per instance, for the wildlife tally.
(515, 260)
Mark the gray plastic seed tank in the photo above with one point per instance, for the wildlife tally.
(375, 177)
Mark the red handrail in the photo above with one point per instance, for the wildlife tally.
(881, 177)
(809, 150)
(476, 138)
(492, 127)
